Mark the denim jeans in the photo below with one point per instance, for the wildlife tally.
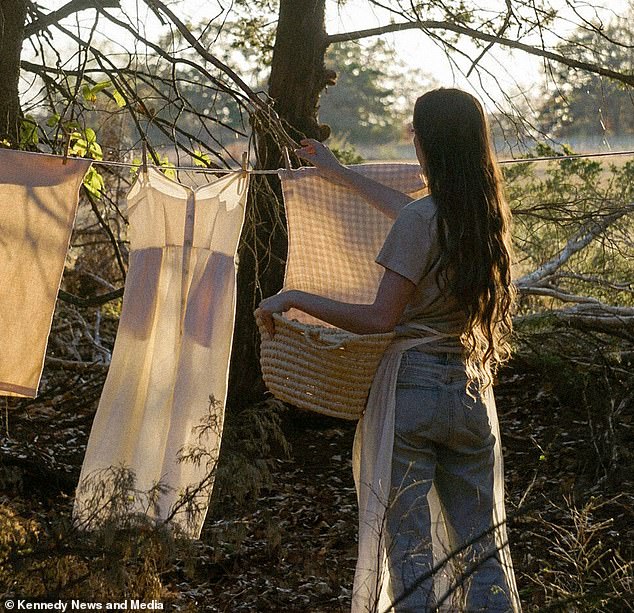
(442, 436)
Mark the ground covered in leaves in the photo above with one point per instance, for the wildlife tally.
(289, 543)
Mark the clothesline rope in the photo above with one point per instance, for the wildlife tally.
(572, 156)
(224, 171)
(274, 172)
(199, 169)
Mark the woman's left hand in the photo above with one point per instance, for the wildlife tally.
(279, 303)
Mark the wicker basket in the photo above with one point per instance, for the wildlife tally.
(320, 369)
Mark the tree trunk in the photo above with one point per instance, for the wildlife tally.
(298, 77)
(298, 74)
(12, 18)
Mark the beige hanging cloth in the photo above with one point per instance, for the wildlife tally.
(38, 203)
(334, 235)
(334, 238)
(162, 407)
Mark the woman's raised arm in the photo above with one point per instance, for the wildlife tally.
(387, 200)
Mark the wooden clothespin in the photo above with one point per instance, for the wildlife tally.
(144, 157)
(243, 177)
(67, 147)
(287, 158)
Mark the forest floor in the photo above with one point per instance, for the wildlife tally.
(291, 546)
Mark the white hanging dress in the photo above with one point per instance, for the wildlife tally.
(164, 395)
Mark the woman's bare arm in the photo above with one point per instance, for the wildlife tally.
(387, 200)
(394, 292)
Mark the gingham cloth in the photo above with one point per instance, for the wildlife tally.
(334, 234)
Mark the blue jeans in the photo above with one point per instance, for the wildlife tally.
(442, 436)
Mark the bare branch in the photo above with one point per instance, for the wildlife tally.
(195, 43)
(170, 58)
(92, 300)
(74, 6)
(613, 320)
(74, 365)
(595, 280)
(108, 231)
(150, 80)
(628, 79)
(500, 32)
(575, 244)
(558, 294)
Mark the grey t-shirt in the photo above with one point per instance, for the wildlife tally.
(412, 250)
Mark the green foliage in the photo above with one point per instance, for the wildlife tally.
(249, 437)
(84, 144)
(28, 132)
(556, 201)
(168, 168)
(346, 154)
(90, 92)
(112, 309)
(94, 183)
(81, 142)
(373, 97)
(201, 159)
(580, 104)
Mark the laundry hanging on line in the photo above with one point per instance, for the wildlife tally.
(166, 387)
(334, 234)
(38, 203)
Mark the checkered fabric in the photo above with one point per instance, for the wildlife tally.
(334, 235)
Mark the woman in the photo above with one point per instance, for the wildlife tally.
(447, 293)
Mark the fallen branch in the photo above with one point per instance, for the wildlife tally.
(92, 300)
(617, 321)
(74, 365)
(558, 294)
(575, 244)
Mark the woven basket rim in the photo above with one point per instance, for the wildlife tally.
(320, 368)
(331, 330)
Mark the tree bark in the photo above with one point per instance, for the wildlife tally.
(12, 18)
(298, 76)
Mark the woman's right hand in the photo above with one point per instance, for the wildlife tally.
(319, 155)
(386, 199)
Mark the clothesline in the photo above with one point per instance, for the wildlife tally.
(274, 172)
(252, 171)
(224, 171)
(572, 156)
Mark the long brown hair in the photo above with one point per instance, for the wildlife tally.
(474, 221)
